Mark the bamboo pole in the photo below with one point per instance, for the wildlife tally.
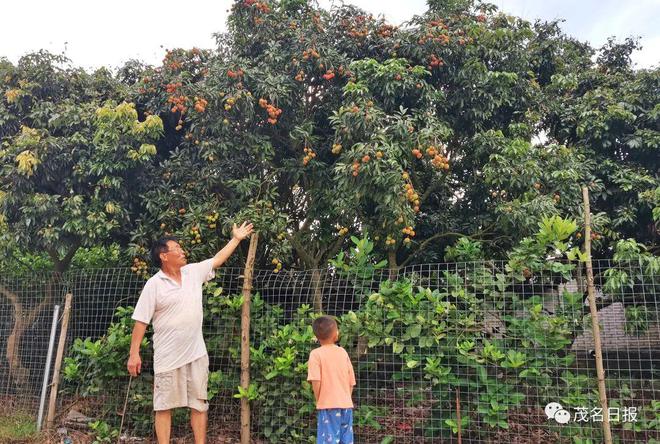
(58, 361)
(245, 337)
(595, 326)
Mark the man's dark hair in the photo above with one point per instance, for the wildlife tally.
(158, 247)
(323, 327)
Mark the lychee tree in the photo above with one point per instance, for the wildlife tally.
(417, 134)
(71, 165)
(610, 115)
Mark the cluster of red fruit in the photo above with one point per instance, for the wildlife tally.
(409, 232)
(174, 65)
(179, 103)
(329, 75)
(434, 61)
(358, 29)
(358, 32)
(310, 53)
(143, 90)
(356, 168)
(316, 19)
(235, 74)
(261, 6)
(200, 105)
(386, 31)
(300, 76)
(441, 162)
(172, 87)
(309, 155)
(438, 24)
(437, 159)
(170, 60)
(439, 37)
(412, 196)
(273, 111)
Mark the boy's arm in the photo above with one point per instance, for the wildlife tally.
(314, 374)
(316, 385)
(351, 374)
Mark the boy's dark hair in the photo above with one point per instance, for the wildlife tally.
(158, 247)
(323, 327)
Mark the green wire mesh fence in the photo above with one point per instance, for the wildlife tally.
(443, 353)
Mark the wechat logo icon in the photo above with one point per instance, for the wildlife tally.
(555, 411)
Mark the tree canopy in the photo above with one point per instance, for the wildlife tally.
(318, 124)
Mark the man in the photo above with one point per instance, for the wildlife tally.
(172, 300)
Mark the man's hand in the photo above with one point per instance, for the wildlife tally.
(134, 365)
(241, 232)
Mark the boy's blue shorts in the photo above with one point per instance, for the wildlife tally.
(334, 426)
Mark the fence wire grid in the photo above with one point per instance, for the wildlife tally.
(473, 352)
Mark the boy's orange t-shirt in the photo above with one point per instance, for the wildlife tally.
(331, 365)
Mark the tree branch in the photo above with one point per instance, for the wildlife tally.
(434, 186)
(423, 245)
(9, 295)
(302, 252)
(332, 250)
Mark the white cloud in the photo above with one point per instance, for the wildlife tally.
(595, 21)
(109, 33)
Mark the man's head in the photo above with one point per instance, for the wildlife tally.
(325, 329)
(167, 253)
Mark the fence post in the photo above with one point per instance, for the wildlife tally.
(49, 357)
(245, 337)
(600, 371)
(58, 361)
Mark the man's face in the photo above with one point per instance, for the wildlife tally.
(174, 256)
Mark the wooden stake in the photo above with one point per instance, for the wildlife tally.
(459, 426)
(595, 326)
(245, 337)
(58, 361)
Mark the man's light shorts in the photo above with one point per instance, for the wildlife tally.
(183, 387)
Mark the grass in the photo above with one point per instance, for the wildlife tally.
(16, 427)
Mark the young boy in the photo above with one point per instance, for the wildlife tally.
(330, 371)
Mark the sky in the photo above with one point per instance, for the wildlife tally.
(94, 34)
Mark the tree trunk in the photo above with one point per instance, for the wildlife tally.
(391, 264)
(19, 373)
(22, 321)
(317, 290)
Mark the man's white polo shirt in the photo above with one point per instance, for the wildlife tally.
(176, 313)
